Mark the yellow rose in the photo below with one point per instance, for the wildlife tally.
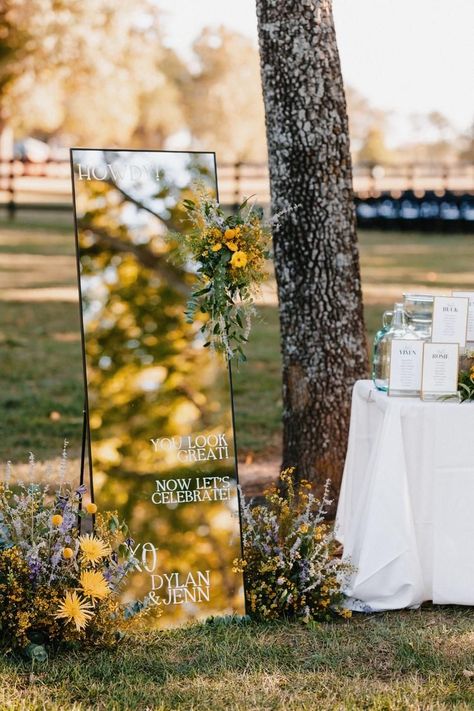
(232, 246)
(216, 247)
(91, 508)
(229, 233)
(56, 520)
(239, 260)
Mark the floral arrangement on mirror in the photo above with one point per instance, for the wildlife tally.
(59, 587)
(290, 557)
(231, 251)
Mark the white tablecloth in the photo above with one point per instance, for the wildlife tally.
(406, 509)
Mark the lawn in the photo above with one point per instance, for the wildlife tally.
(43, 330)
(392, 263)
(418, 660)
(41, 383)
(409, 660)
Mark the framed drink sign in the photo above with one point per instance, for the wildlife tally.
(159, 403)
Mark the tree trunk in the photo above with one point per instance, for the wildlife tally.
(316, 255)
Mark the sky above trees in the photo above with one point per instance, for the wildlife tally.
(71, 73)
(410, 57)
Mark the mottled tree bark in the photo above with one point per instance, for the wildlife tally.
(316, 255)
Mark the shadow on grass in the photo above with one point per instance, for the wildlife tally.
(399, 660)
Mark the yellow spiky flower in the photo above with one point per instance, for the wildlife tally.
(93, 549)
(94, 585)
(75, 608)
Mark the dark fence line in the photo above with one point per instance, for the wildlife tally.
(449, 212)
(238, 180)
(422, 195)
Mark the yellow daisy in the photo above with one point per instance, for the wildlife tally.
(94, 585)
(239, 259)
(93, 549)
(75, 609)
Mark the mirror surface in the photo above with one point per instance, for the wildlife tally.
(159, 403)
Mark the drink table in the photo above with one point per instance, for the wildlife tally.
(406, 510)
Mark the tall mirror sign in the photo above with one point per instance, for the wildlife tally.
(159, 402)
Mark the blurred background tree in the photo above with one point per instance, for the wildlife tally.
(374, 149)
(64, 60)
(68, 61)
(227, 84)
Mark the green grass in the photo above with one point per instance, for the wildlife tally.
(407, 660)
(41, 382)
(391, 263)
(257, 390)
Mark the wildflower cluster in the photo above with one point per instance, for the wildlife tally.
(58, 584)
(231, 253)
(289, 555)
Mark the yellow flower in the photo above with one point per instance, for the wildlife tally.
(68, 553)
(232, 246)
(75, 609)
(239, 259)
(94, 585)
(230, 233)
(93, 549)
(91, 508)
(56, 520)
(216, 247)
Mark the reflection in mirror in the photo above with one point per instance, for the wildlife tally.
(159, 403)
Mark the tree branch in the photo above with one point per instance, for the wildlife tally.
(144, 255)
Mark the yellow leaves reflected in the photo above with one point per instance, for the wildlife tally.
(148, 377)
